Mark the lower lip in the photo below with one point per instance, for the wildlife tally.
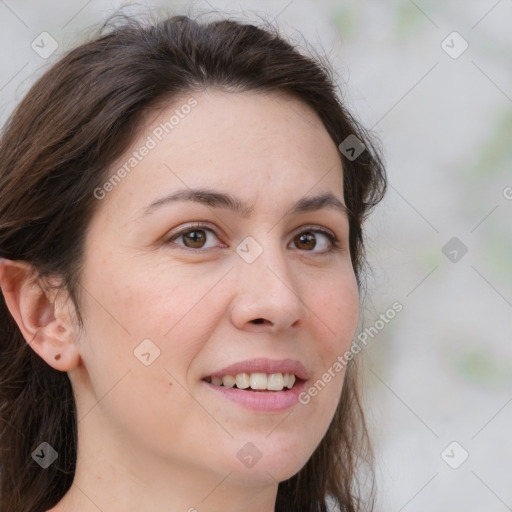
(262, 401)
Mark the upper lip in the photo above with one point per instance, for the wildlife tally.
(264, 365)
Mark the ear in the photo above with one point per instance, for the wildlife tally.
(44, 314)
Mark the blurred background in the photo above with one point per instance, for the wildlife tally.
(433, 80)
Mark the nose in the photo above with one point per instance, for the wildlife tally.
(268, 294)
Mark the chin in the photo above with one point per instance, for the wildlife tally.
(267, 470)
(263, 476)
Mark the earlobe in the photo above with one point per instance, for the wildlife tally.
(44, 321)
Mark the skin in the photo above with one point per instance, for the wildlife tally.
(156, 437)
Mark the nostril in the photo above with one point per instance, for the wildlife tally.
(258, 320)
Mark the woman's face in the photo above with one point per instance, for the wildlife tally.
(167, 304)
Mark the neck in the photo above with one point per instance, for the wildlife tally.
(113, 476)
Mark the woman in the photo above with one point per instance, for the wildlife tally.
(181, 210)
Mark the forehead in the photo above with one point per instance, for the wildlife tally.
(261, 145)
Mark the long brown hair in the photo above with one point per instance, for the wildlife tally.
(55, 150)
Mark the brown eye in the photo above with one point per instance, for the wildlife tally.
(194, 239)
(308, 240)
(305, 240)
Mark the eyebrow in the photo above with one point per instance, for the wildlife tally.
(217, 199)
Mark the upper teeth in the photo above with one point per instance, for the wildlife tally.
(272, 381)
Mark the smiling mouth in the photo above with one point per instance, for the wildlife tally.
(255, 381)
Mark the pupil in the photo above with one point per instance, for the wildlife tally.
(196, 237)
(309, 239)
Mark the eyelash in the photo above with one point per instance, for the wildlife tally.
(334, 241)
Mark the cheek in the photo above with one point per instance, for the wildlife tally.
(165, 315)
(176, 307)
(336, 308)
(144, 301)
